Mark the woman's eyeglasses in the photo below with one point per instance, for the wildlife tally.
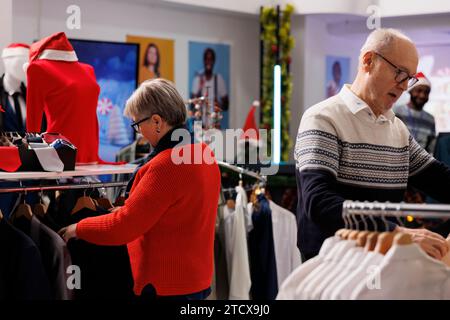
(135, 125)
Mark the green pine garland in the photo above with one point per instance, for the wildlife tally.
(268, 20)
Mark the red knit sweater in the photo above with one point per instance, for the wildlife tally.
(167, 222)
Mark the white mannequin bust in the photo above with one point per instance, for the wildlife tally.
(14, 57)
(14, 73)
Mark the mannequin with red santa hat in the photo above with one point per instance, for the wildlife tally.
(67, 92)
(13, 88)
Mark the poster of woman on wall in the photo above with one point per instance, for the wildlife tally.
(156, 57)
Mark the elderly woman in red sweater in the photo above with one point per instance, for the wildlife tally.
(168, 220)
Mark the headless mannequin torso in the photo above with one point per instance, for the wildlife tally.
(13, 81)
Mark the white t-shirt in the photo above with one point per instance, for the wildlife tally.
(200, 85)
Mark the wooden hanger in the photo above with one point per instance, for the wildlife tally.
(84, 202)
(24, 210)
(340, 232)
(402, 239)
(384, 242)
(105, 203)
(371, 241)
(346, 234)
(1, 215)
(231, 204)
(362, 238)
(120, 201)
(39, 209)
(353, 235)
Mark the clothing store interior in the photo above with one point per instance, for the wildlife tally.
(224, 150)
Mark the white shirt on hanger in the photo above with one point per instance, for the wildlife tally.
(287, 254)
(353, 263)
(334, 270)
(406, 272)
(306, 289)
(237, 248)
(343, 290)
(288, 287)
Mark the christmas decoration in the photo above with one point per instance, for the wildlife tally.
(104, 106)
(277, 45)
(117, 133)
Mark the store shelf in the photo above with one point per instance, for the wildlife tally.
(86, 170)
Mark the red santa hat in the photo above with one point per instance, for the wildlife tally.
(16, 49)
(250, 128)
(55, 47)
(423, 81)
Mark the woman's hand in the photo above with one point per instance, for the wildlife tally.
(114, 209)
(69, 232)
(432, 243)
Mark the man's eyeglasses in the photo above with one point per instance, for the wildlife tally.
(400, 75)
(135, 125)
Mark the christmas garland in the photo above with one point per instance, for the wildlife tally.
(268, 21)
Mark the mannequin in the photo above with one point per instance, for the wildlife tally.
(67, 92)
(13, 88)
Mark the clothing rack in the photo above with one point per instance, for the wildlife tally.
(381, 209)
(230, 190)
(66, 186)
(242, 171)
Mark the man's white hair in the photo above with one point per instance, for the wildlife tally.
(381, 39)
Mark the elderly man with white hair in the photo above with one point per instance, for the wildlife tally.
(352, 147)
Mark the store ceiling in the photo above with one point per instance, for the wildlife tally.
(389, 8)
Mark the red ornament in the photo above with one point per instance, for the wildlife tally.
(283, 99)
(274, 48)
(288, 59)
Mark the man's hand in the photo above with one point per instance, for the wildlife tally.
(432, 243)
(69, 232)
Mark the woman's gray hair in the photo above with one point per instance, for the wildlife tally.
(381, 39)
(157, 96)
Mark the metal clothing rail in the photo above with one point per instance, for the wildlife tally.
(242, 171)
(68, 186)
(381, 209)
(231, 190)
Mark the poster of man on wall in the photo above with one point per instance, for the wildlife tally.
(337, 74)
(209, 75)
